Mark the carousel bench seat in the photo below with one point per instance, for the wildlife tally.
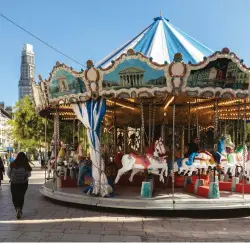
(203, 191)
(239, 188)
(190, 188)
(225, 185)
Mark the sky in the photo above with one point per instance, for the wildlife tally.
(92, 29)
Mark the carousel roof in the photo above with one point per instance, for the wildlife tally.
(161, 41)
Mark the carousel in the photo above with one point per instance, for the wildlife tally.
(159, 124)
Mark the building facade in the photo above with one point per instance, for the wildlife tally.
(27, 71)
(5, 129)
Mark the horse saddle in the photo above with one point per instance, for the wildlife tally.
(141, 160)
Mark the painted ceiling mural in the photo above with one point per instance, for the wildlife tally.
(63, 83)
(133, 73)
(221, 73)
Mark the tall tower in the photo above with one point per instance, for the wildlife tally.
(27, 71)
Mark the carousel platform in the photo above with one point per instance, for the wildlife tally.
(129, 198)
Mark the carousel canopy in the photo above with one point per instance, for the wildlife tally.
(161, 41)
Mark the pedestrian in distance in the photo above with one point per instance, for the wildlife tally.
(19, 171)
(2, 170)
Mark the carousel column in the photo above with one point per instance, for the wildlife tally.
(149, 123)
(173, 154)
(238, 127)
(73, 128)
(78, 130)
(182, 141)
(233, 131)
(153, 123)
(57, 141)
(101, 166)
(147, 185)
(244, 145)
(163, 133)
(46, 146)
(197, 125)
(125, 140)
(142, 129)
(189, 123)
(115, 132)
(214, 191)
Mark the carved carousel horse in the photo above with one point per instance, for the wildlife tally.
(50, 167)
(61, 169)
(237, 158)
(154, 160)
(221, 156)
(196, 161)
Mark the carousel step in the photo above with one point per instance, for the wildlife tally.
(239, 188)
(190, 188)
(225, 185)
(203, 191)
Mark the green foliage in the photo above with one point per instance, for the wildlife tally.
(28, 128)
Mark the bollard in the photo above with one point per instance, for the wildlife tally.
(199, 182)
(235, 181)
(214, 192)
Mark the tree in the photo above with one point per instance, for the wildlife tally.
(27, 126)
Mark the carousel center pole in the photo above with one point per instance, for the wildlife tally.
(173, 152)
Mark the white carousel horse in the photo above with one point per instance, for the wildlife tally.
(237, 158)
(50, 168)
(196, 161)
(228, 164)
(152, 162)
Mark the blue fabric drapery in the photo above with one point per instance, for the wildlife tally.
(91, 114)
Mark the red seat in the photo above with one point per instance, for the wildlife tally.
(190, 188)
(225, 186)
(203, 191)
(239, 188)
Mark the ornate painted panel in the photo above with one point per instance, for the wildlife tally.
(222, 73)
(64, 83)
(133, 73)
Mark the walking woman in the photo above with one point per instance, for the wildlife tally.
(18, 172)
(2, 170)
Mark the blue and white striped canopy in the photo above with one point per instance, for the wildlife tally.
(161, 40)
